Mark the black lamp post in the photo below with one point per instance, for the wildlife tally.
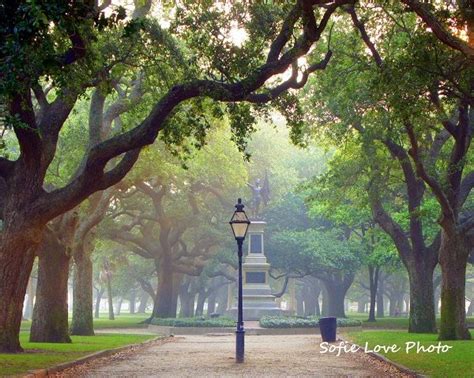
(240, 224)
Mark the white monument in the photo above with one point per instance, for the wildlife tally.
(257, 294)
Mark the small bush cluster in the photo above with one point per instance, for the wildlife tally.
(300, 322)
(194, 322)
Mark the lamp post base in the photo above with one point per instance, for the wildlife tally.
(240, 342)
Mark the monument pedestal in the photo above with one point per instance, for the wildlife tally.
(257, 294)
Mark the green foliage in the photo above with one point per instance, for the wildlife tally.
(301, 322)
(314, 252)
(194, 322)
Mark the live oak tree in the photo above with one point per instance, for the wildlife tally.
(56, 42)
(63, 44)
(184, 227)
(326, 255)
(405, 95)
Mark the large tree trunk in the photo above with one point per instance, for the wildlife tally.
(336, 295)
(82, 320)
(16, 261)
(422, 315)
(50, 315)
(164, 303)
(336, 287)
(453, 255)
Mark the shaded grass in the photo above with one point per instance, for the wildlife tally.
(457, 362)
(388, 322)
(43, 355)
(121, 321)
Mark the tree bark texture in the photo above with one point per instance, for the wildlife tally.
(422, 314)
(16, 261)
(164, 303)
(50, 315)
(82, 320)
(373, 282)
(453, 255)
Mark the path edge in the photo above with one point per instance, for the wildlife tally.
(44, 372)
(382, 358)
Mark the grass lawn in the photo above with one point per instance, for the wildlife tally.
(121, 321)
(387, 322)
(457, 362)
(42, 355)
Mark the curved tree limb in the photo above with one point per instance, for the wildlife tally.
(422, 10)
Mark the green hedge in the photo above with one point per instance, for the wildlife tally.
(194, 322)
(300, 322)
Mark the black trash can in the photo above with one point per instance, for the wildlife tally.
(328, 328)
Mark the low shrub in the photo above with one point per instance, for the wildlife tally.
(194, 322)
(300, 322)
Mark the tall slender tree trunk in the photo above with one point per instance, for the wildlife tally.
(437, 297)
(201, 299)
(118, 306)
(453, 255)
(470, 309)
(50, 314)
(373, 282)
(223, 299)
(211, 303)
(98, 299)
(133, 298)
(361, 306)
(187, 305)
(380, 299)
(82, 320)
(325, 302)
(143, 302)
(299, 302)
(30, 292)
(310, 299)
(110, 297)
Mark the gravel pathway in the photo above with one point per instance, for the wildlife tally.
(213, 356)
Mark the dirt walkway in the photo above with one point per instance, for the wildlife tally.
(213, 356)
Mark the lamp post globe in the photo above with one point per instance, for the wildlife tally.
(240, 224)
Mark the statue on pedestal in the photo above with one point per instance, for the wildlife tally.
(259, 194)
